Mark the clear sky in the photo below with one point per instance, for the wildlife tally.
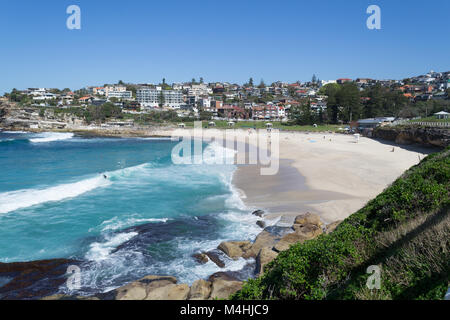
(288, 40)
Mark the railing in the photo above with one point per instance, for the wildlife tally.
(436, 124)
(433, 124)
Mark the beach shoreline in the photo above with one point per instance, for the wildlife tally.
(334, 176)
(324, 173)
(329, 174)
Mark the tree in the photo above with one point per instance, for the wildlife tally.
(161, 99)
(331, 90)
(261, 84)
(201, 80)
(204, 115)
(349, 99)
(250, 82)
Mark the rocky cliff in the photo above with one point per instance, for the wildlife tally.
(427, 136)
(16, 117)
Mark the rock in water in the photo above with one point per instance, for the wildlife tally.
(234, 249)
(258, 213)
(214, 256)
(200, 258)
(33, 280)
(308, 218)
(200, 290)
(222, 289)
(261, 223)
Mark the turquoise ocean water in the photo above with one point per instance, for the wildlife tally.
(148, 217)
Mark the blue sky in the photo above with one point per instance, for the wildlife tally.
(145, 41)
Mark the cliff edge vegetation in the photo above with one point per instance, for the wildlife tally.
(404, 231)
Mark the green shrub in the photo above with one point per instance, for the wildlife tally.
(404, 229)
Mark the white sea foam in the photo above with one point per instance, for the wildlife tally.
(116, 223)
(51, 136)
(156, 138)
(215, 153)
(10, 201)
(101, 250)
(13, 200)
(14, 132)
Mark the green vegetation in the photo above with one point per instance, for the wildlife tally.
(262, 125)
(154, 117)
(16, 96)
(404, 230)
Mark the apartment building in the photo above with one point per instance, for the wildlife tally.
(124, 95)
(114, 88)
(151, 97)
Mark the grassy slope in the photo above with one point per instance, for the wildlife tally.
(405, 230)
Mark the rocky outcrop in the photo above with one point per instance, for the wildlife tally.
(289, 240)
(426, 136)
(265, 256)
(308, 218)
(200, 290)
(33, 280)
(309, 231)
(264, 239)
(332, 226)
(145, 287)
(220, 285)
(235, 249)
(169, 292)
(306, 227)
(222, 289)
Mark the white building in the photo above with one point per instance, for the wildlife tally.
(44, 96)
(199, 90)
(205, 103)
(124, 95)
(325, 82)
(150, 97)
(114, 88)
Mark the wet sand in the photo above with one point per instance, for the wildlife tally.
(285, 193)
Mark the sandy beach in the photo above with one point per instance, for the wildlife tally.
(325, 173)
